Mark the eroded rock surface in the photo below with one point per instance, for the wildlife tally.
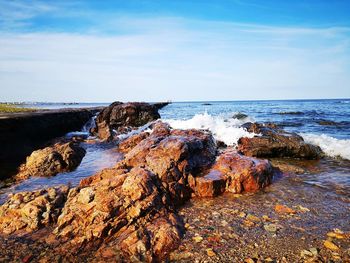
(61, 157)
(173, 155)
(274, 142)
(121, 116)
(32, 210)
(132, 209)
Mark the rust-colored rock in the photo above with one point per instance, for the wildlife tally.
(120, 116)
(243, 173)
(275, 142)
(129, 143)
(32, 210)
(210, 185)
(132, 209)
(174, 157)
(61, 157)
(234, 173)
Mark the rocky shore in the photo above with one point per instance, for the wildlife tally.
(176, 195)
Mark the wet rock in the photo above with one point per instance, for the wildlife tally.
(240, 116)
(288, 168)
(32, 210)
(282, 209)
(61, 157)
(221, 144)
(132, 209)
(330, 245)
(271, 228)
(119, 116)
(327, 123)
(243, 173)
(210, 185)
(274, 142)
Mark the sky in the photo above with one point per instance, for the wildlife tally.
(156, 50)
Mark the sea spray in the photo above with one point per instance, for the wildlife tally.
(226, 129)
(331, 146)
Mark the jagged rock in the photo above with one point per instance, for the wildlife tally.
(275, 142)
(234, 173)
(173, 156)
(121, 116)
(32, 210)
(132, 209)
(61, 157)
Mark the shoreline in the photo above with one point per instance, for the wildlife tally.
(202, 200)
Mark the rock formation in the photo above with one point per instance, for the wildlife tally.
(32, 210)
(234, 173)
(61, 157)
(124, 116)
(274, 142)
(129, 211)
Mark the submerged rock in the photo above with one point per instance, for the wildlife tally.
(61, 157)
(274, 142)
(32, 210)
(119, 116)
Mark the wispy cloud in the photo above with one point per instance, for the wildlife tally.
(175, 58)
(118, 55)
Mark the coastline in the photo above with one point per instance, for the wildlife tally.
(210, 219)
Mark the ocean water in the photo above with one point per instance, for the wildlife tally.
(321, 122)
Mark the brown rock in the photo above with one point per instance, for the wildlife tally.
(61, 157)
(275, 142)
(124, 115)
(210, 185)
(129, 143)
(132, 209)
(173, 157)
(241, 173)
(32, 210)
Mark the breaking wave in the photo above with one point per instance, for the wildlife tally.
(331, 146)
(223, 128)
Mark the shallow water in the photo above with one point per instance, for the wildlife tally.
(98, 156)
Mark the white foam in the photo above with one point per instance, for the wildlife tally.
(224, 129)
(331, 146)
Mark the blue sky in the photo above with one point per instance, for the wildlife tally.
(101, 51)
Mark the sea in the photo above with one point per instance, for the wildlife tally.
(325, 123)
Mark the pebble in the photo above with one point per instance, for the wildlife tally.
(270, 228)
(253, 218)
(197, 239)
(306, 253)
(330, 245)
(242, 214)
(210, 252)
(282, 209)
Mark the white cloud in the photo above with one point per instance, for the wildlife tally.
(178, 59)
